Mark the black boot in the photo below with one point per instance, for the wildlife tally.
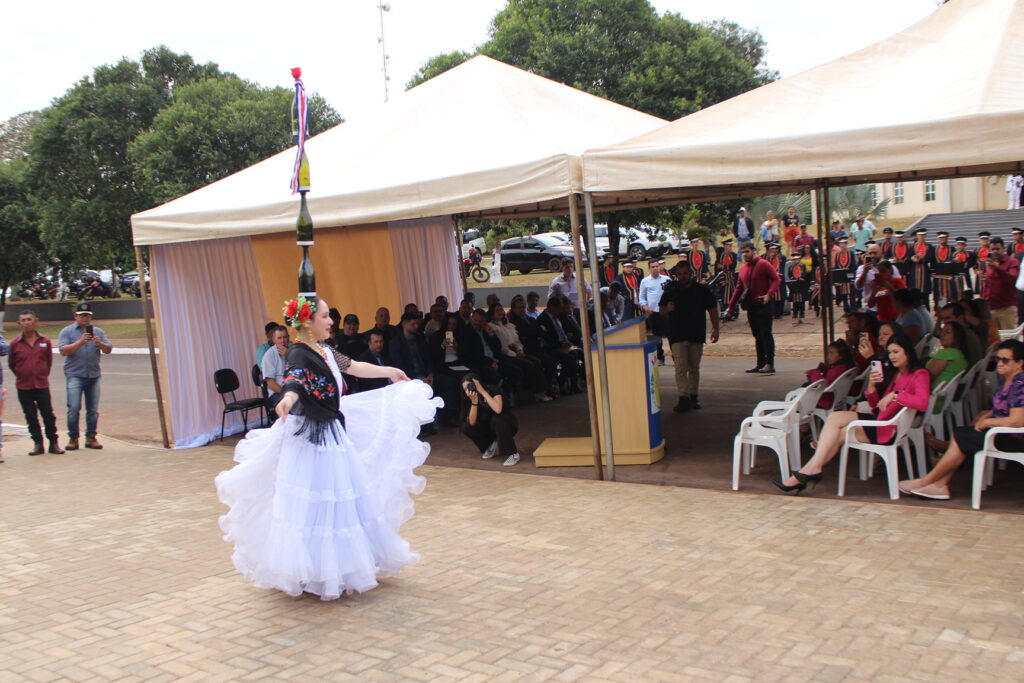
(694, 403)
(683, 406)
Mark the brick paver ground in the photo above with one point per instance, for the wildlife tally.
(112, 567)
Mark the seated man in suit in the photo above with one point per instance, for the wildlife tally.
(347, 340)
(409, 352)
(480, 350)
(374, 354)
(532, 337)
(382, 324)
(559, 345)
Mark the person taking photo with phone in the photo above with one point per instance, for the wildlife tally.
(81, 345)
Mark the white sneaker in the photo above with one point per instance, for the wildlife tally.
(511, 460)
(491, 451)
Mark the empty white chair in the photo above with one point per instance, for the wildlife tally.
(983, 460)
(861, 381)
(888, 453)
(774, 431)
(806, 399)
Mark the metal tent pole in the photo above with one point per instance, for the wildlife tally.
(827, 210)
(147, 314)
(588, 364)
(821, 293)
(602, 361)
(458, 257)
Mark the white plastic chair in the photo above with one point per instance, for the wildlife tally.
(806, 399)
(840, 389)
(1013, 333)
(853, 399)
(983, 461)
(772, 431)
(927, 348)
(889, 453)
(934, 419)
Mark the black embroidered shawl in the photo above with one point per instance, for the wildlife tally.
(309, 376)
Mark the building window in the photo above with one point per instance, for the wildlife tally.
(874, 195)
(897, 193)
(929, 190)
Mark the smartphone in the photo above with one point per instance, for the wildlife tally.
(876, 366)
(88, 329)
(449, 337)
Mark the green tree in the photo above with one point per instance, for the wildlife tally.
(22, 255)
(83, 178)
(624, 51)
(214, 128)
(846, 202)
(15, 134)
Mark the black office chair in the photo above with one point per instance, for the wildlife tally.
(257, 379)
(226, 382)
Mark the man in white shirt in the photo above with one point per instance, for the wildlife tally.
(565, 285)
(651, 290)
(532, 299)
(272, 365)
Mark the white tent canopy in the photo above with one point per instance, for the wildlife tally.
(482, 135)
(943, 98)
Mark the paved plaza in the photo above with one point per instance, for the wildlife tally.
(112, 567)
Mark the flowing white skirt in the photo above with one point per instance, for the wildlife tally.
(325, 519)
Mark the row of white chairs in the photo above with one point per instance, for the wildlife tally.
(776, 425)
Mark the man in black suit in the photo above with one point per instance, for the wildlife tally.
(375, 355)
(480, 348)
(558, 344)
(382, 324)
(410, 353)
(348, 340)
(532, 338)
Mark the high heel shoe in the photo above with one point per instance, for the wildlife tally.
(807, 478)
(796, 487)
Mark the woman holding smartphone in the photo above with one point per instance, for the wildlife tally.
(910, 387)
(488, 422)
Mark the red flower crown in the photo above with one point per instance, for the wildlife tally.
(297, 312)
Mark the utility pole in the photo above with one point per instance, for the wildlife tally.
(383, 7)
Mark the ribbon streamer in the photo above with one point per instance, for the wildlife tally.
(300, 126)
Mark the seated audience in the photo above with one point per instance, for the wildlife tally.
(513, 351)
(910, 387)
(435, 322)
(559, 345)
(840, 359)
(410, 353)
(273, 366)
(479, 348)
(881, 291)
(268, 333)
(488, 422)
(348, 340)
(382, 324)
(374, 354)
(1007, 411)
(949, 361)
(858, 329)
(532, 303)
(907, 315)
(616, 303)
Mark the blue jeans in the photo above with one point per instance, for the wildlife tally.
(91, 388)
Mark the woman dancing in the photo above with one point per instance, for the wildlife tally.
(316, 500)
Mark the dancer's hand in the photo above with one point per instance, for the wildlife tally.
(396, 375)
(284, 406)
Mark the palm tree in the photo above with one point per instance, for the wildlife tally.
(847, 202)
(758, 207)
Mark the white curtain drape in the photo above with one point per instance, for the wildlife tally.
(211, 316)
(426, 260)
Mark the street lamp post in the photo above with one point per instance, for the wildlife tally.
(383, 7)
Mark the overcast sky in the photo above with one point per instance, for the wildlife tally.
(47, 47)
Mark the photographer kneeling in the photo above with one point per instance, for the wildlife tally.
(487, 422)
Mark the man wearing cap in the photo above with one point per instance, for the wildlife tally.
(1000, 285)
(941, 267)
(962, 262)
(743, 228)
(726, 262)
(565, 285)
(31, 357)
(886, 243)
(651, 288)
(629, 280)
(81, 345)
(607, 271)
(842, 263)
(804, 238)
(836, 232)
(349, 341)
(980, 261)
(919, 275)
(861, 231)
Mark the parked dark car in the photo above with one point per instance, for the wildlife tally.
(533, 252)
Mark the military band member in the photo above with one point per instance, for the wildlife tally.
(1017, 248)
(726, 262)
(843, 264)
(919, 275)
(901, 252)
(699, 261)
(799, 275)
(964, 261)
(778, 261)
(981, 261)
(942, 271)
(886, 243)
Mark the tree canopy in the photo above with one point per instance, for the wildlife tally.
(138, 133)
(22, 255)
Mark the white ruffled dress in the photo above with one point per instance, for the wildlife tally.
(325, 519)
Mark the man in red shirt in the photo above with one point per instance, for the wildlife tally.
(30, 360)
(758, 282)
(881, 290)
(1000, 285)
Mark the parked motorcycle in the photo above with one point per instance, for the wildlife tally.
(472, 268)
(94, 288)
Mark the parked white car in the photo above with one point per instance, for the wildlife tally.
(472, 237)
(636, 243)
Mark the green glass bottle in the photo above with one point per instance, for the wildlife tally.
(304, 225)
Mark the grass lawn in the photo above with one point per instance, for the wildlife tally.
(132, 329)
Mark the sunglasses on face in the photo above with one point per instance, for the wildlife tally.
(1003, 359)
